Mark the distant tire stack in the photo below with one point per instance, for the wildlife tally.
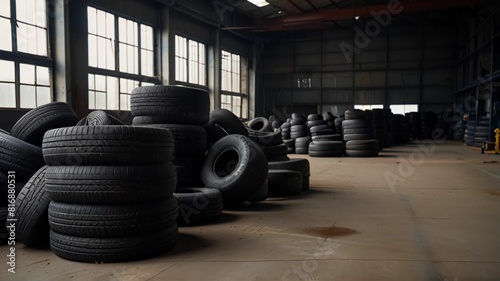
(271, 144)
(314, 120)
(469, 132)
(302, 145)
(298, 128)
(482, 131)
(112, 192)
(415, 125)
(359, 134)
(443, 121)
(326, 148)
(380, 127)
(169, 107)
(403, 136)
(428, 124)
(390, 135)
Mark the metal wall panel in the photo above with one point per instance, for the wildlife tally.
(369, 96)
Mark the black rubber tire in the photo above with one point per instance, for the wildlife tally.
(113, 249)
(354, 124)
(299, 117)
(188, 139)
(361, 153)
(4, 233)
(107, 145)
(222, 123)
(305, 184)
(369, 131)
(32, 126)
(32, 227)
(176, 104)
(284, 183)
(261, 194)
(198, 205)
(297, 122)
(188, 171)
(297, 164)
(300, 150)
(323, 132)
(298, 128)
(314, 123)
(349, 137)
(236, 166)
(335, 137)
(326, 149)
(314, 117)
(265, 138)
(112, 220)
(260, 124)
(321, 128)
(355, 114)
(276, 153)
(99, 117)
(285, 125)
(370, 145)
(19, 156)
(110, 184)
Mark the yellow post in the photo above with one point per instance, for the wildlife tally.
(497, 140)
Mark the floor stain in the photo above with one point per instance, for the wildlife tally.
(491, 192)
(332, 231)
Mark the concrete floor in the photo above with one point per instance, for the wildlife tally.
(436, 218)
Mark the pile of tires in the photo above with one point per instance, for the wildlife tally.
(415, 125)
(469, 132)
(302, 145)
(298, 128)
(428, 124)
(482, 131)
(260, 124)
(380, 126)
(390, 130)
(359, 134)
(288, 178)
(111, 191)
(402, 130)
(326, 148)
(185, 112)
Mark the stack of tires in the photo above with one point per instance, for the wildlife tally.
(112, 192)
(403, 133)
(287, 138)
(359, 134)
(443, 122)
(428, 124)
(302, 145)
(99, 117)
(482, 131)
(390, 134)
(185, 112)
(326, 148)
(415, 125)
(380, 126)
(288, 178)
(298, 127)
(469, 132)
(21, 162)
(338, 124)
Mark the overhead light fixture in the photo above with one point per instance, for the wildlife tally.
(259, 3)
(356, 17)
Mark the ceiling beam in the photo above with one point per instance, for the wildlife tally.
(316, 19)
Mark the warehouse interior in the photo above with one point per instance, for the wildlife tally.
(423, 210)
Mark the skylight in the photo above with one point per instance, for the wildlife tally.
(259, 3)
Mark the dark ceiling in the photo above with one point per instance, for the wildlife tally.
(318, 14)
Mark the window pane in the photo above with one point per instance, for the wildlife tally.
(100, 100)
(112, 93)
(91, 100)
(7, 71)
(92, 20)
(5, 35)
(21, 10)
(100, 83)
(91, 82)
(43, 95)
(92, 50)
(41, 37)
(7, 95)
(411, 108)
(101, 23)
(42, 76)
(27, 74)
(40, 19)
(27, 95)
(5, 8)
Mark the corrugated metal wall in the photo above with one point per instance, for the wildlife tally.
(399, 65)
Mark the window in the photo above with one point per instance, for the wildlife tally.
(114, 74)
(404, 108)
(190, 61)
(23, 84)
(232, 97)
(368, 106)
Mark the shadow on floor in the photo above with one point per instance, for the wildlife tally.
(189, 243)
(263, 206)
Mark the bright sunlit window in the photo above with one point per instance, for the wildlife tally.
(24, 85)
(111, 81)
(404, 108)
(232, 97)
(368, 106)
(190, 61)
(259, 3)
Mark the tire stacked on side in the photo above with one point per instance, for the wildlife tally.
(314, 120)
(469, 132)
(99, 117)
(482, 132)
(380, 126)
(359, 134)
(284, 180)
(168, 107)
(428, 124)
(112, 192)
(302, 145)
(390, 134)
(298, 128)
(287, 138)
(415, 125)
(326, 148)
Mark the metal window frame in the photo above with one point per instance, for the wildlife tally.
(203, 86)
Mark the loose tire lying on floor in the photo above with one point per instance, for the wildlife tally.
(198, 205)
(284, 183)
(175, 104)
(326, 149)
(32, 227)
(33, 125)
(260, 124)
(112, 220)
(101, 145)
(300, 165)
(113, 249)
(236, 166)
(19, 156)
(362, 148)
(110, 184)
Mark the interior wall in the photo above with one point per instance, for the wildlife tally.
(401, 64)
